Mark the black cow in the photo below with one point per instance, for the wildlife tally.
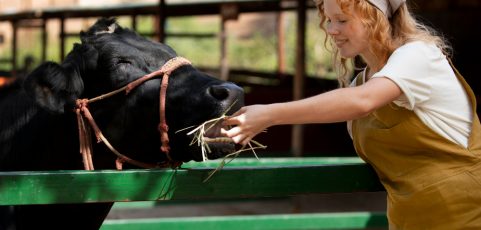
(38, 126)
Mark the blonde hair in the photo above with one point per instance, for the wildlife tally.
(385, 35)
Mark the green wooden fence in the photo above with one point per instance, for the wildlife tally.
(358, 220)
(241, 178)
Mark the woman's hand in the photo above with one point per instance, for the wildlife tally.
(248, 122)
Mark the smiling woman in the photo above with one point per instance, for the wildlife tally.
(410, 113)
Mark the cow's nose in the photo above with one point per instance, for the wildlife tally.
(227, 92)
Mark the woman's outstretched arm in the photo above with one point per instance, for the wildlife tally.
(334, 106)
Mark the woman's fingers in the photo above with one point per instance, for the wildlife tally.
(235, 120)
(237, 135)
(239, 112)
(231, 121)
(231, 132)
(241, 139)
(244, 123)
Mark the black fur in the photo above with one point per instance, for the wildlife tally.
(38, 129)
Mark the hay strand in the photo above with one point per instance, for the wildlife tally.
(202, 141)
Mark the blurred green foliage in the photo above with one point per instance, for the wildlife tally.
(256, 52)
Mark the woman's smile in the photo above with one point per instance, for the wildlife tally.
(340, 42)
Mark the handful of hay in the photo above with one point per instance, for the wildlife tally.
(202, 140)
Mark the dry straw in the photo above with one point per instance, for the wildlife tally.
(202, 141)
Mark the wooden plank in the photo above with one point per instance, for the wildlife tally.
(298, 88)
(184, 184)
(356, 220)
(200, 8)
(189, 8)
(14, 47)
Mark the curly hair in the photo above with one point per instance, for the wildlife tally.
(385, 35)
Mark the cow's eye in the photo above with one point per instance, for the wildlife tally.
(123, 62)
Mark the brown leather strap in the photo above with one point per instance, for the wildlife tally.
(163, 127)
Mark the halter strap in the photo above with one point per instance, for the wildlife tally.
(84, 119)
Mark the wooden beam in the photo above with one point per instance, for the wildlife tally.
(62, 37)
(161, 18)
(190, 8)
(281, 54)
(350, 220)
(14, 47)
(298, 86)
(134, 22)
(18, 188)
(44, 41)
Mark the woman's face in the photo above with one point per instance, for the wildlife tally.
(346, 30)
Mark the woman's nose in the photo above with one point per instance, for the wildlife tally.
(332, 29)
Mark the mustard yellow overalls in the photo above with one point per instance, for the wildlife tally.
(431, 182)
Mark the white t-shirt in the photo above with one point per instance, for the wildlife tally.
(430, 89)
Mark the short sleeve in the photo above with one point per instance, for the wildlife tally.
(411, 67)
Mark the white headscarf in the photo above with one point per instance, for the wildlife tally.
(388, 7)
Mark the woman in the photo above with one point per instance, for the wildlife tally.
(410, 113)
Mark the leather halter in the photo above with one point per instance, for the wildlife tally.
(84, 118)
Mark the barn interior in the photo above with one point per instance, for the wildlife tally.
(55, 24)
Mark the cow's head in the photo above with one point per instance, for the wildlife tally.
(108, 58)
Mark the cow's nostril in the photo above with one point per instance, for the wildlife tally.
(231, 96)
(219, 92)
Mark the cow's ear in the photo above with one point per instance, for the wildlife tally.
(103, 26)
(53, 87)
(56, 87)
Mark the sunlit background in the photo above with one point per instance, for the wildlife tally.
(251, 39)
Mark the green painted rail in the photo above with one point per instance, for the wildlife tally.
(278, 161)
(240, 179)
(356, 220)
